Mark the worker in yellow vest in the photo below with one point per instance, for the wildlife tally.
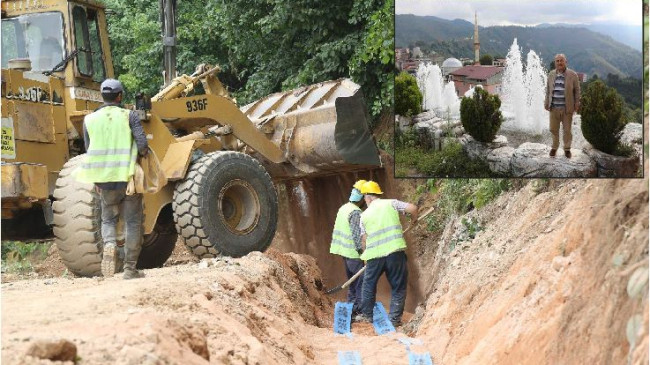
(384, 251)
(346, 242)
(113, 138)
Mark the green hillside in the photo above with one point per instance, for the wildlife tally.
(586, 51)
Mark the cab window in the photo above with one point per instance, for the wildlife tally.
(90, 60)
(38, 37)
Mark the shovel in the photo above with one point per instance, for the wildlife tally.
(347, 283)
(355, 276)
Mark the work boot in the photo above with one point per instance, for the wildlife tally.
(553, 152)
(132, 274)
(360, 318)
(109, 260)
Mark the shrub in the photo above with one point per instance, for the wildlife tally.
(408, 98)
(602, 117)
(405, 138)
(459, 196)
(624, 150)
(451, 161)
(480, 115)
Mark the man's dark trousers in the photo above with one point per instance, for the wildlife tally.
(397, 274)
(352, 266)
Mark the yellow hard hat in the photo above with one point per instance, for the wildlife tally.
(357, 185)
(370, 187)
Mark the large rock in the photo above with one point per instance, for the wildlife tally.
(458, 131)
(632, 134)
(613, 166)
(425, 124)
(402, 123)
(53, 349)
(425, 116)
(446, 124)
(532, 160)
(499, 160)
(480, 150)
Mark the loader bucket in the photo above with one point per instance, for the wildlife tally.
(322, 129)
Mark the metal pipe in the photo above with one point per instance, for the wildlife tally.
(168, 20)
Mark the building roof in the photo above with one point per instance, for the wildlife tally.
(452, 62)
(478, 72)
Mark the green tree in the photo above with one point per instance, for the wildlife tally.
(486, 60)
(281, 45)
(136, 45)
(262, 46)
(480, 115)
(408, 98)
(601, 116)
(372, 64)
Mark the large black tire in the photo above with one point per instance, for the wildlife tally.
(159, 244)
(226, 204)
(77, 222)
(77, 227)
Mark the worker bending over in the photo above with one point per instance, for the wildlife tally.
(384, 251)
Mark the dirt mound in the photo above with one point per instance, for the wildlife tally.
(260, 309)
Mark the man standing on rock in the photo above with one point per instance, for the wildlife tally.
(346, 242)
(562, 100)
(384, 250)
(109, 135)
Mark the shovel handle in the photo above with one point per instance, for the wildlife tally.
(347, 283)
(353, 278)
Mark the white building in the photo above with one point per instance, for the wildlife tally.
(450, 65)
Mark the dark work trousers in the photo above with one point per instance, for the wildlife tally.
(115, 203)
(397, 274)
(352, 266)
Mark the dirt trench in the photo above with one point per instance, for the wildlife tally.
(310, 208)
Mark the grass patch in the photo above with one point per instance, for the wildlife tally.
(19, 257)
(458, 196)
(451, 161)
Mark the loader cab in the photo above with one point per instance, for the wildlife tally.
(55, 54)
(69, 34)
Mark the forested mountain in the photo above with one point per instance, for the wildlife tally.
(587, 51)
(631, 35)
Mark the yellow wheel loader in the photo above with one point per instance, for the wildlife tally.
(221, 161)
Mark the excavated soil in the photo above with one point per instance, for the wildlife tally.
(260, 309)
(544, 283)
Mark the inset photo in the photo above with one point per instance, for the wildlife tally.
(517, 88)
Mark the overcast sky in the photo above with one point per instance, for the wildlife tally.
(528, 12)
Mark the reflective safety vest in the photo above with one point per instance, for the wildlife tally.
(383, 230)
(112, 152)
(342, 242)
